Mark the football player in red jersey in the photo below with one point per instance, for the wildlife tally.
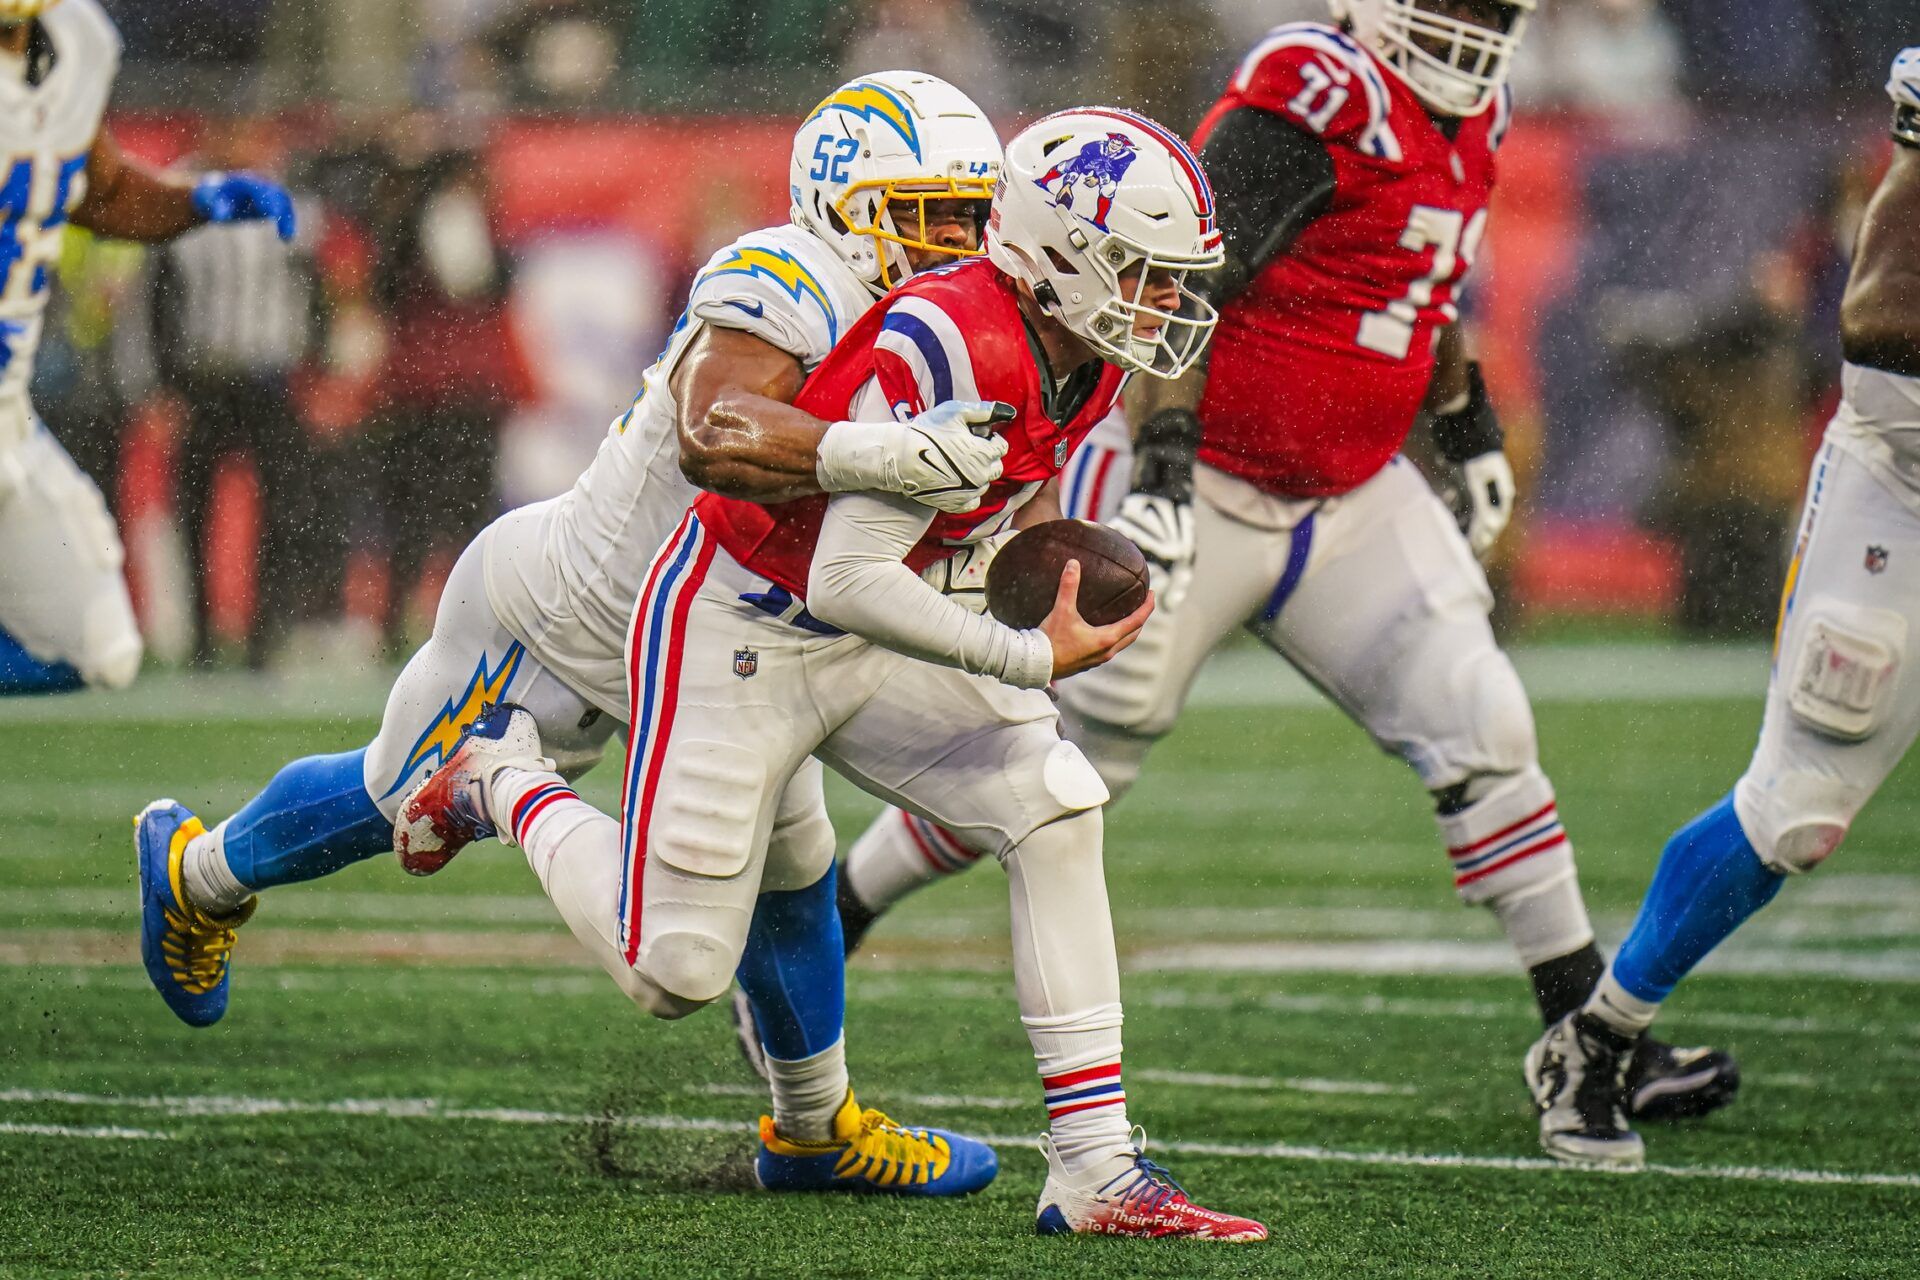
(768, 634)
(1353, 165)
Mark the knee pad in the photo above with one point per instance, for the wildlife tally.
(690, 968)
(1117, 754)
(1800, 849)
(1840, 677)
(656, 1000)
(1795, 819)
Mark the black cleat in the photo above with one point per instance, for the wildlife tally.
(1665, 1082)
(1577, 1073)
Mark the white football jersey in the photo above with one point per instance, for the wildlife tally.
(46, 131)
(1879, 422)
(563, 575)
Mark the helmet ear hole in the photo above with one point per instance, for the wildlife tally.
(1060, 262)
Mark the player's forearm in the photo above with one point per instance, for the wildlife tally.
(1449, 389)
(755, 448)
(1880, 314)
(859, 584)
(131, 201)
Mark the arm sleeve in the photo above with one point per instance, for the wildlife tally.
(1270, 179)
(860, 584)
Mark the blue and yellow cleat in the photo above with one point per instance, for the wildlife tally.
(186, 950)
(871, 1154)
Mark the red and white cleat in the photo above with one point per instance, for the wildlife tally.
(449, 810)
(1142, 1201)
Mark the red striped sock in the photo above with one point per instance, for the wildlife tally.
(527, 801)
(1087, 1114)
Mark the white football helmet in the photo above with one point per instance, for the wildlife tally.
(899, 135)
(15, 12)
(1090, 195)
(1456, 67)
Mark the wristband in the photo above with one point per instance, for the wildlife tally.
(1029, 662)
(852, 457)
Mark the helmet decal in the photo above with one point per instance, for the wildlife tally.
(872, 102)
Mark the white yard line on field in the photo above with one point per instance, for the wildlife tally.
(1302, 1084)
(950, 1101)
(434, 1109)
(109, 1132)
(1394, 958)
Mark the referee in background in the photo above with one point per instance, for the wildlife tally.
(234, 313)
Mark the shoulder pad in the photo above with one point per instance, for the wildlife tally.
(1319, 78)
(768, 290)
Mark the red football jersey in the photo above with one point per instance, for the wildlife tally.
(1319, 369)
(950, 334)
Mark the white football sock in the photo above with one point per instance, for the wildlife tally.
(808, 1093)
(1614, 1005)
(1545, 921)
(899, 853)
(1066, 972)
(208, 880)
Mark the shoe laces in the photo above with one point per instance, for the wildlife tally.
(888, 1151)
(197, 946)
(1151, 1186)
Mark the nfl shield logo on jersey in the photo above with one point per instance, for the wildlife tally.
(745, 662)
(1877, 558)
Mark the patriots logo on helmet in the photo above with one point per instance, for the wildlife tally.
(1100, 165)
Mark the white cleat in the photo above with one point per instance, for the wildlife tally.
(1577, 1072)
(449, 810)
(1140, 1200)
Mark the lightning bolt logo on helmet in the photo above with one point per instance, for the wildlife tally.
(869, 101)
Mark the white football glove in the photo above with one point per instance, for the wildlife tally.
(1163, 530)
(962, 577)
(945, 458)
(1490, 492)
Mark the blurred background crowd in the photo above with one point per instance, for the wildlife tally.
(503, 202)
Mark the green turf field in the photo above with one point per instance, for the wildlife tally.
(419, 1077)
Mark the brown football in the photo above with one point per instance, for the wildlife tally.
(1024, 576)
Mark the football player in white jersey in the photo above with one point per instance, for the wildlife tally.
(65, 619)
(1843, 705)
(890, 173)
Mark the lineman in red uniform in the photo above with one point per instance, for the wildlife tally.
(1353, 165)
(767, 634)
